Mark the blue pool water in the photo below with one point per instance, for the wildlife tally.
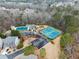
(22, 28)
(50, 32)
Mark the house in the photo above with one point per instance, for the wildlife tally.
(11, 41)
(3, 57)
(9, 44)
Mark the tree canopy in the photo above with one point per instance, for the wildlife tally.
(57, 16)
(75, 12)
(71, 23)
(29, 50)
(15, 33)
(66, 39)
(2, 35)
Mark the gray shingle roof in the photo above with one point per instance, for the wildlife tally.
(9, 42)
(3, 57)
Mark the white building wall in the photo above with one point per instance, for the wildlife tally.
(17, 41)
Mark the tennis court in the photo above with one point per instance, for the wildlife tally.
(50, 32)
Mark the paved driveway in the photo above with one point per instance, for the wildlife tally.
(13, 55)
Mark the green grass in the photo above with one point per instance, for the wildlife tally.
(42, 52)
(29, 50)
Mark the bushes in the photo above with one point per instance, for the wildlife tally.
(42, 52)
(15, 33)
(63, 55)
(66, 39)
(20, 45)
(75, 12)
(57, 16)
(2, 35)
(29, 50)
(71, 23)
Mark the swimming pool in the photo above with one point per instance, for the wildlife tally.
(50, 32)
(22, 28)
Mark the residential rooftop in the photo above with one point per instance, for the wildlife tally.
(3, 57)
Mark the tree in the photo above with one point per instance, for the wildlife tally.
(66, 39)
(42, 52)
(75, 12)
(2, 35)
(6, 20)
(71, 23)
(15, 33)
(68, 9)
(29, 50)
(63, 55)
(57, 16)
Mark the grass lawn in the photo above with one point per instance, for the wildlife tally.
(42, 52)
(29, 50)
